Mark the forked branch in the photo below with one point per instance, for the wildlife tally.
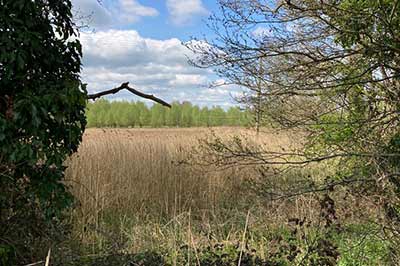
(125, 86)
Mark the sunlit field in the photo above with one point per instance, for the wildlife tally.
(138, 191)
(138, 179)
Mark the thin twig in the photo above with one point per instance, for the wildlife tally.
(35, 263)
(243, 238)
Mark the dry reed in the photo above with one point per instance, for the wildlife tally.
(133, 189)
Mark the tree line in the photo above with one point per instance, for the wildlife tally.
(105, 113)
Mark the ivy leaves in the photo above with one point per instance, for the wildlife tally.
(42, 103)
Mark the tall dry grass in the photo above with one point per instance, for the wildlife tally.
(136, 195)
(133, 189)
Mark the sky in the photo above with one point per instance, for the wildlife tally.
(140, 41)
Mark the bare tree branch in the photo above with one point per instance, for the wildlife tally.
(125, 86)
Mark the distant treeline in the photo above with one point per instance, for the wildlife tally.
(104, 113)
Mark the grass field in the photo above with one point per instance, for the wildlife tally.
(137, 193)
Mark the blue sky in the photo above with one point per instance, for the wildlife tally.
(140, 41)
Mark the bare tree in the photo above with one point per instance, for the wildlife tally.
(319, 71)
(332, 70)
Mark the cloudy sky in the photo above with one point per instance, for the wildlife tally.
(140, 41)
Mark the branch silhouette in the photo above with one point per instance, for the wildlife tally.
(125, 86)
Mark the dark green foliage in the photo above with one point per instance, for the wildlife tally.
(7, 255)
(217, 255)
(103, 113)
(42, 103)
(229, 255)
(292, 245)
(147, 258)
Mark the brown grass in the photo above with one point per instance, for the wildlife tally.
(134, 190)
(140, 170)
(135, 194)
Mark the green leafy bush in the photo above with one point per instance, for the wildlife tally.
(42, 103)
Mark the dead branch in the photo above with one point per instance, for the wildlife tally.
(125, 86)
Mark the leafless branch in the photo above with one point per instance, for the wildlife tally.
(125, 86)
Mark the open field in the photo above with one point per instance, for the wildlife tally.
(142, 171)
(137, 193)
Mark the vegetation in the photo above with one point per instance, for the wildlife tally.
(103, 113)
(42, 119)
(329, 69)
(321, 189)
(141, 202)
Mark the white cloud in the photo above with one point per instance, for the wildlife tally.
(183, 11)
(127, 48)
(106, 14)
(188, 79)
(132, 11)
(261, 32)
(219, 82)
(153, 66)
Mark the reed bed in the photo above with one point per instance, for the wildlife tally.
(135, 192)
